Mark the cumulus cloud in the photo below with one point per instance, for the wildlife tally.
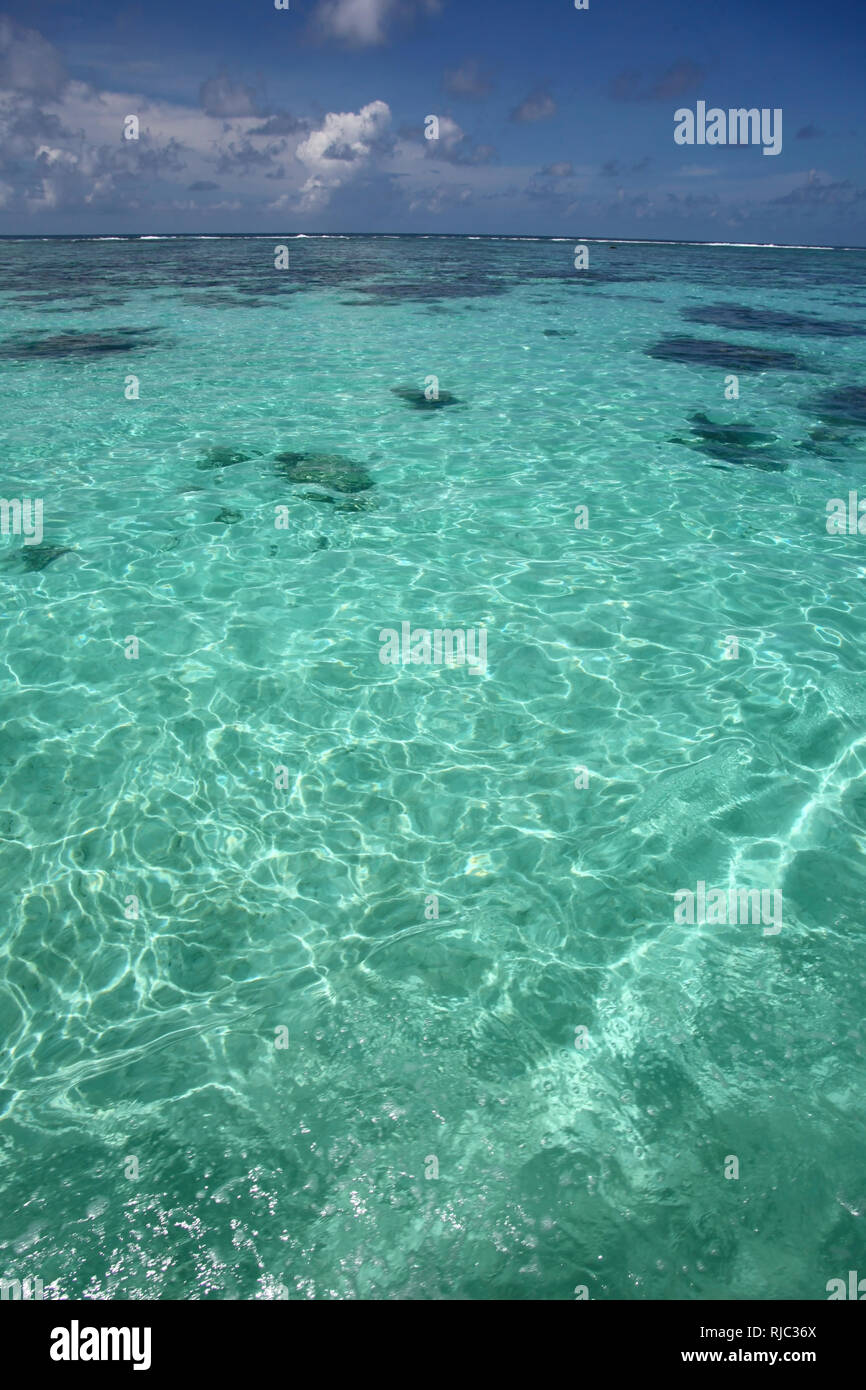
(243, 157)
(281, 123)
(454, 146)
(364, 22)
(344, 142)
(62, 144)
(76, 156)
(63, 157)
(538, 106)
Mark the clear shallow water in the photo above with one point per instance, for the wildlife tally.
(261, 908)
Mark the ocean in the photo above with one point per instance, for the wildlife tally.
(325, 975)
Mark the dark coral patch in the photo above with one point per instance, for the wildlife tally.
(38, 557)
(355, 504)
(86, 345)
(734, 443)
(735, 357)
(223, 456)
(65, 304)
(559, 332)
(744, 319)
(843, 405)
(826, 443)
(212, 299)
(418, 400)
(328, 470)
(600, 277)
(351, 504)
(424, 291)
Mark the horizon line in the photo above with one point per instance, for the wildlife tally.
(463, 236)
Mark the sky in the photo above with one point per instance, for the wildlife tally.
(552, 121)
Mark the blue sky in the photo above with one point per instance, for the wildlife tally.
(552, 121)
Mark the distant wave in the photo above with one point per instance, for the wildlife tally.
(425, 236)
(775, 245)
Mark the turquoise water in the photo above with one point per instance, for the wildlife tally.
(157, 1140)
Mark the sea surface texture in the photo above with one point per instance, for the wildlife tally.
(324, 977)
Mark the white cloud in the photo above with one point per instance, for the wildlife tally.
(455, 146)
(538, 106)
(339, 149)
(364, 22)
(50, 156)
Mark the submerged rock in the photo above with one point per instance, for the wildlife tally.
(91, 307)
(745, 319)
(214, 299)
(351, 504)
(417, 400)
(602, 277)
(72, 344)
(737, 443)
(223, 456)
(826, 443)
(38, 557)
(328, 470)
(355, 504)
(559, 332)
(425, 291)
(734, 357)
(228, 516)
(843, 405)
